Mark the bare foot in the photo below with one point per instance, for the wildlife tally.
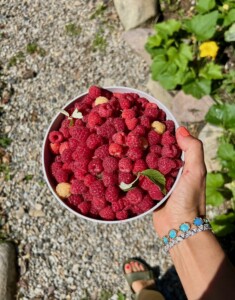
(138, 285)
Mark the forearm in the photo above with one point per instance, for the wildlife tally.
(203, 268)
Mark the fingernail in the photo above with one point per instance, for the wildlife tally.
(127, 266)
(183, 131)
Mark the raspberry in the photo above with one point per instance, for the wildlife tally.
(125, 165)
(78, 187)
(122, 215)
(105, 110)
(169, 182)
(84, 207)
(58, 158)
(119, 138)
(135, 153)
(65, 123)
(79, 133)
(170, 126)
(112, 193)
(151, 110)
(80, 164)
(99, 203)
(67, 167)
(55, 148)
(110, 164)
(145, 183)
(81, 106)
(79, 123)
(139, 129)
(102, 151)
(157, 149)
(170, 151)
(139, 165)
(152, 160)
(125, 177)
(95, 167)
(61, 175)
(135, 210)
(75, 200)
(174, 173)
(87, 196)
(106, 130)
(109, 179)
(179, 163)
(88, 100)
(55, 166)
(161, 115)
(63, 146)
(155, 192)
(65, 132)
(128, 113)
(79, 174)
(154, 138)
(94, 92)
(81, 152)
(168, 138)
(124, 103)
(94, 119)
(118, 205)
(94, 141)
(165, 165)
(66, 156)
(73, 143)
(115, 150)
(146, 204)
(145, 121)
(107, 213)
(142, 102)
(115, 104)
(133, 140)
(94, 211)
(55, 137)
(119, 124)
(97, 188)
(131, 123)
(89, 179)
(134, 196)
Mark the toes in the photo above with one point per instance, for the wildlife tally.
(133, 266)
(141, 267)
(128, 268)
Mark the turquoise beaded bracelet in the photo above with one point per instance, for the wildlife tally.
(173, 238)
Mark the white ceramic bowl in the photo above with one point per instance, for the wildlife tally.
(47, 155)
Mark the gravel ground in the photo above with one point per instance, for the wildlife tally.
(61, 256)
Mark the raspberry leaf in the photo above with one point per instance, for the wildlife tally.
(156, 177)
(126, 187)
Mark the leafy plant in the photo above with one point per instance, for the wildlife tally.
(72, 29)
(4, 141)
(189, 53)
(33, 48)
(99, 41)
(16, 59)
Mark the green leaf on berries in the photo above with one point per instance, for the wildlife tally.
(156, 177)
(64, 112)
(128, 186)
(77, 114)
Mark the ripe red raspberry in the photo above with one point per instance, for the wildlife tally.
(135, 210)
(140, 130)
(125, 165)
(79, 174)
(55, 148)
(58, 158)
(80, 164)
(106, 130)
(84, 207)
(99, 203)
(151, 110)
(135, 153)
(79, 123)
(109, 179)
(80, 133)
(61, 175)
(97, 188)
(94, 119)
(124, 103)
(118, 205)
(131, 123)
(95, 166)
(65, 132)
(152, 160)
(146, 204)
(102, 151)
(65, 123)
(122, 215)
(133, 140)
(154, 138)
(155, 192)
(87, 196)
(115, 150)
(119, 138)
(115, 104)
(89, 179)
(112, 193)
(170, 126)
(142, 102)
(55, 166)
(75, 200)
(110, 164)
(139, 165)
(128, 113)
(161, 115)
(78, 187)
(94, 92)
(157, 149)
(165, 165)
(63, 146)
(174, 173)
(169, 182)
(56, 137)
(81, 106)
(134, 196)
(107, 213)
(88, 100)
(145, 183)
(119, 124)
(125, 177)
(81, 152)
(168, 138)
(145, 121)
(94, 213)
(66, 156)
(67, 167)
(73, 143)
(105, 110)
(170, 151)
(93, 141)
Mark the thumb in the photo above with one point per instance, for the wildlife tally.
(193, 150)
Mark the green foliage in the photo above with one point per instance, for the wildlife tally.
(34, 48)
(72, 29)
(98, 11)
(28, 177)
(189, 53)
(4, 141)
(213, 183)
(5, 170)
(99, 42)
(224, 224)
(222, 115)
(16, 59)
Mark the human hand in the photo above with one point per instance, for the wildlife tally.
(188, 199)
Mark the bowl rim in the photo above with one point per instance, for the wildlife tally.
(159, 203)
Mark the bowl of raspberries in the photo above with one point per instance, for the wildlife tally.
(110, 155)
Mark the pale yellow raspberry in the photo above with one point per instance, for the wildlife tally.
(63, 189)
(101, 100)
(158, 127)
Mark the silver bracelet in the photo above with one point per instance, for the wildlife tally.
(173, 239)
